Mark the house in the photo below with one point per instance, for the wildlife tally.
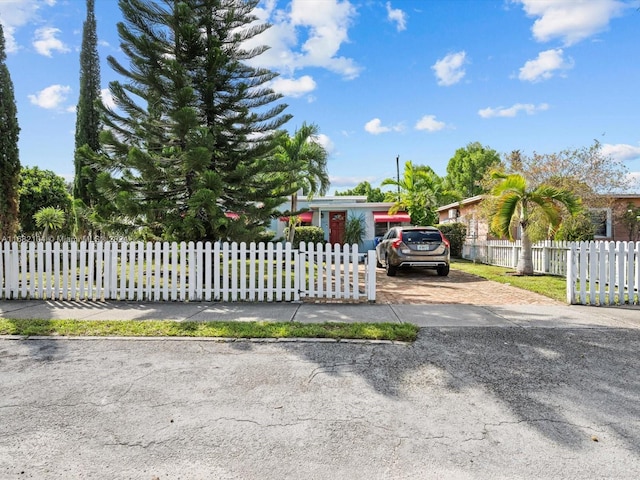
(620, 222)
(331, 213)
(467, 212)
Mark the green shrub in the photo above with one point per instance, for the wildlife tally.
(306, 234)
(354, 230)
(578, 228)
(455, 233)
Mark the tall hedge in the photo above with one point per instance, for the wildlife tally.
(455, 233)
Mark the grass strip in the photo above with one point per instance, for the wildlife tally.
(548, 285)
(163, 328)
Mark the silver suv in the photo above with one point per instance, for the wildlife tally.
(413, 247)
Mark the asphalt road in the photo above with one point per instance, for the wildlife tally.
(460, 403)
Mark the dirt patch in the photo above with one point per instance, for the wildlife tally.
(420, 286)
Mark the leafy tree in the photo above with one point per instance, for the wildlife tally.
(9, 157)
(587, 172)
(305, 160)
(365, 188)
(419, 191)
(40, 189)
(468, 166)
(188, 154)
(88, 123)
(514, 208)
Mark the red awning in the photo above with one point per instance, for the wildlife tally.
(232, 215)
(400, 217)
(305, 217)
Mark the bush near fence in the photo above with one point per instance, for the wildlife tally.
(456, 234)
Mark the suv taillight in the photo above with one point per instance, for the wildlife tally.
(445, 240)
(396, 243)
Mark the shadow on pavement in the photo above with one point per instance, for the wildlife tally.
(561, 382)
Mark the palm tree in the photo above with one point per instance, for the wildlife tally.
(305, 161)
(516, 203)
(49, 218)
(418, 193)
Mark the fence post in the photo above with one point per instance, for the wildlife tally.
(545, 257)
(570, 275)
(371, 276)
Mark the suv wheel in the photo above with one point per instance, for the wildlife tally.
(443, 271)
(391, 270)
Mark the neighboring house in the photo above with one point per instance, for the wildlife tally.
(609, 223)
(467, 212)
(331, 214)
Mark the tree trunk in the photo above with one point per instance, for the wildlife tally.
(525, 261)
(292, 219)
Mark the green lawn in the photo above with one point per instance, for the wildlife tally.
(161, 328)
(549, 285)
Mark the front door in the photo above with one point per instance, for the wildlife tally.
(336, 227)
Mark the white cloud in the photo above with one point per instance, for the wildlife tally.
(107, 99)
(324, 25)
(347, 183)
(621, 152)
(571, 20)
(14, 14)
(51, 97)
(634, 180)
(375, 127)
(397, 16)
(430, 124)
(294, 87)
(544, 67)
(512, 111)
(46, 42)
(449, 70)
(326, 142)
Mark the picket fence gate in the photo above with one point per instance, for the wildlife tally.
(163, 271)
(603, 273)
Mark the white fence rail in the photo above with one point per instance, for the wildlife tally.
(603, 273)
(164, 271)
(549, 257)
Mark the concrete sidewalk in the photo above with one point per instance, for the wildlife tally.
(426, 315)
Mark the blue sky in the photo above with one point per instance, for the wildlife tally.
(416, 79)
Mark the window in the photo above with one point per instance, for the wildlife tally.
(383, 227)
(421, 236)
(601, 220)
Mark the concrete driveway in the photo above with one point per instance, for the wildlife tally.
(460, 403)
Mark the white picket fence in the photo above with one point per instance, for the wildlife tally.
(164, 271)
(598, 273)
(549, 257)
(603, 273)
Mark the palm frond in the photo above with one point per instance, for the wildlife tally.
(506, 209)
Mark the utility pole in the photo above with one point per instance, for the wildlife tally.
(398, 174)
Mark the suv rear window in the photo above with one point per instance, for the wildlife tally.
(418, 236)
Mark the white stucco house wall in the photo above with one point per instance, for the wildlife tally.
(331, 213)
